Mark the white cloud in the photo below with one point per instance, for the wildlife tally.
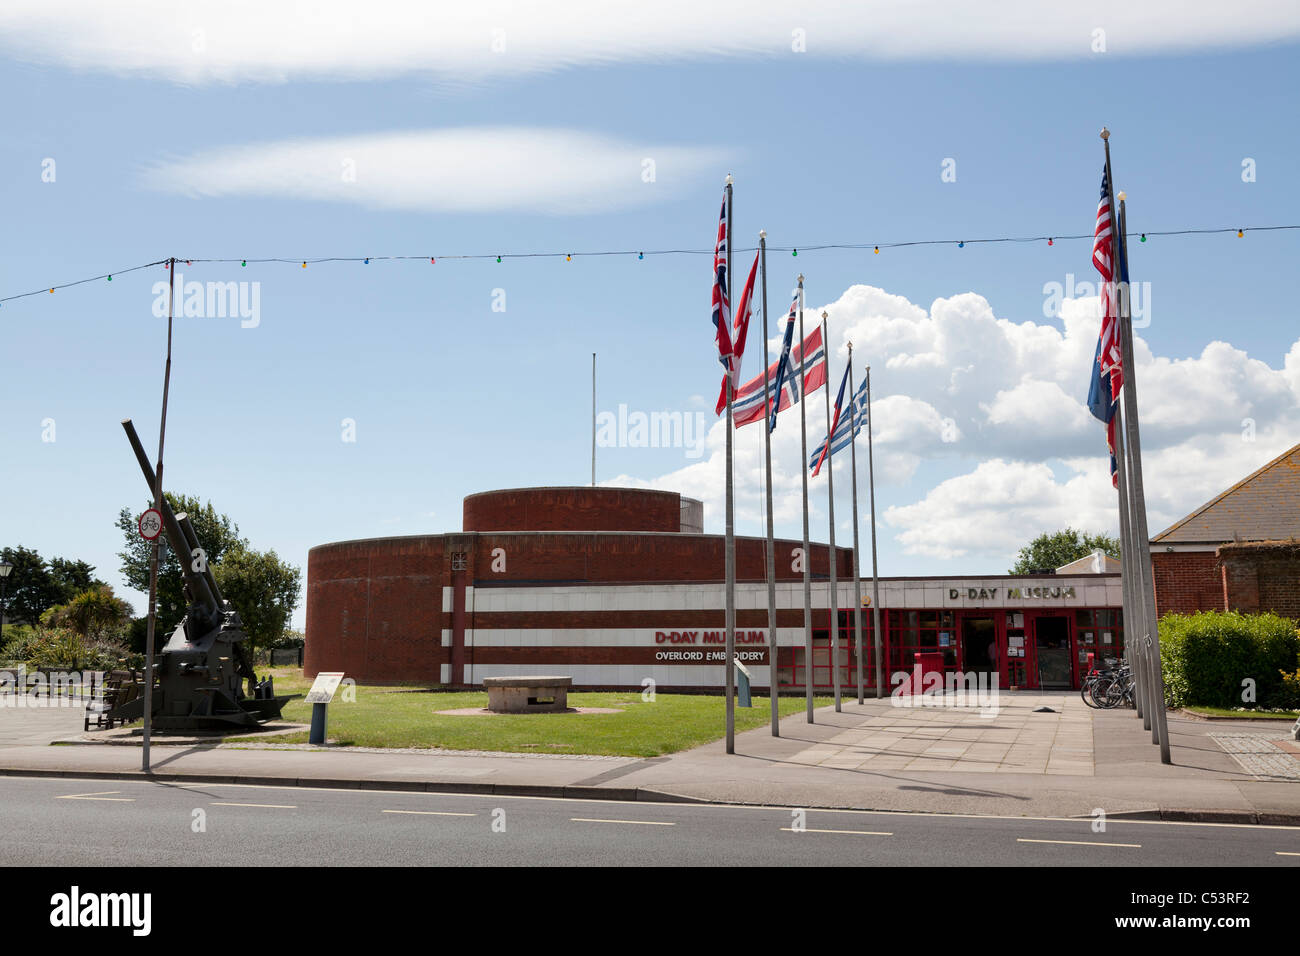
(235, 41)
(472, 169)
(1004, 402)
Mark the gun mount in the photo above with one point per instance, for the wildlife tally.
(201, 670)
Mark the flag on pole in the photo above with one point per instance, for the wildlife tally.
(742, 331)
(1107, 369)
(848, 428)
(824, 449)
(783, 365)
(1103, 258)
(721, 298)
(747, 404)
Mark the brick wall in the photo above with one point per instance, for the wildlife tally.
(1187, 581)
(573, 509)
(1262, 580)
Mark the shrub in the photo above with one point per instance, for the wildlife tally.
(1206, 657)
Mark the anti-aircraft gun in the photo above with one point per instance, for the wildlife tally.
(202, 669)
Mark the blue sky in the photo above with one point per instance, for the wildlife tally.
(450, 397)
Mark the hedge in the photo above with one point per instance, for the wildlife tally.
(1206, 657)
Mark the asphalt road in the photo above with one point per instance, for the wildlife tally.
(68, 822)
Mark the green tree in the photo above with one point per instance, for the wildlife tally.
(1054, 549)
(217, 534)
(94, 613)
(30, 589)
(263, 589)
(73, 577)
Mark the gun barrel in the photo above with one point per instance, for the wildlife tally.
(192, 540)
(196, 583)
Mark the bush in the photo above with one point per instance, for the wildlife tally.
(61, 648)
(1206, 657)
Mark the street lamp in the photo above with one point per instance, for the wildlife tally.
(5, 568)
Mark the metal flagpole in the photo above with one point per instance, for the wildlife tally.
(731, 514)
(857, 569)
(834, 625)
(1128, 577)
(877, 640)
(157, 503)
(1133, 447)
(807, 558)
(771, 533)
(593, 419)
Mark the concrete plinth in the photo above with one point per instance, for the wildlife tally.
(528, 695)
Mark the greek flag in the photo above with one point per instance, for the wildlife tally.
(845, 431)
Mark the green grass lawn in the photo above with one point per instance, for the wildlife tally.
(1241, 714)
(405, 716)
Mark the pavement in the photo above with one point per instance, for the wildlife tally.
(1034, 755)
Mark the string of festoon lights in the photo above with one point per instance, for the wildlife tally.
(794, 250)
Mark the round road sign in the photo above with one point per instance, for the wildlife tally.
(150, 524)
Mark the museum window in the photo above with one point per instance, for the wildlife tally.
(1098, 631)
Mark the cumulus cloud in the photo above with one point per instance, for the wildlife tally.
(233, 41)
(997, 409)
(453, 170)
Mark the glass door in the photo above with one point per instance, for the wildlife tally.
(1052, 650)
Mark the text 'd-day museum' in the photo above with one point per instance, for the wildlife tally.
(613, 585)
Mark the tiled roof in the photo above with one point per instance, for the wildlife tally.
(1262, 506)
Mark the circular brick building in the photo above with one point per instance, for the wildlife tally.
(617, 586)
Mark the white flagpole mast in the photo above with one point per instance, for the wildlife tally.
(593, 419)
(1149, 636)
(857, 569)
(877, 640)
(731, 515)
(834, 625)
(807, 558)
(771, 533)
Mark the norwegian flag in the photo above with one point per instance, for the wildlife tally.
(747, 405)
(722, 291)
(819, 457)
(742, 332)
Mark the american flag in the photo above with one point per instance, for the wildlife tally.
(742, 332)
(1103, 258)
(722, 292)
(1107, 370)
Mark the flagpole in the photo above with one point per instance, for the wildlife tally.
(593, 419)
(807, 558)
(1133, 448)
(771, 532)
(834, 633)
(877, 640)
(857, 569)
(730, 561)
(1128, 578)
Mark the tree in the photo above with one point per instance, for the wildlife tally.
(217, 534)
(1053, 550)
(94, 613)
(34, 586)
(263, 589)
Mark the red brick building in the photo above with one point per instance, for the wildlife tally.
(1239, 550)
(614, 586)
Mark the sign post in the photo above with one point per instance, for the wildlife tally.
(321, 693)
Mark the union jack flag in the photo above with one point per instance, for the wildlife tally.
(722, 291)
(742, 332)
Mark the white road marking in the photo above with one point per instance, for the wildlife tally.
(858, 832)
(644, 823)
(98, 795)
(1077, 842)
(269, 806)
(431, 813)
